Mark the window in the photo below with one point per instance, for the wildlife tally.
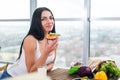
(64, 8)
(105, 8)
(11, 35)
(69, 14)
(14, 23)
(105, 38)
(70, 47)
(105, 29)
(14, 9)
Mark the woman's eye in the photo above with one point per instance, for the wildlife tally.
(51, 18)
(42, 19)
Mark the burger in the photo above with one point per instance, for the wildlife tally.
(52, 36)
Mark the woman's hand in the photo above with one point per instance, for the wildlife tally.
(50, 45)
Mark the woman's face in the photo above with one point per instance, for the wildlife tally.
(47, 21)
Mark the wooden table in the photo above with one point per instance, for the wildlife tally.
(56, 74)
(61, 74)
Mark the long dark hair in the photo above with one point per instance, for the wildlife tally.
(36, 28)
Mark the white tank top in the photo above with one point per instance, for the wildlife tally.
(20, 68)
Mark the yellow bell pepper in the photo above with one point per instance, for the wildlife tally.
(100, 76)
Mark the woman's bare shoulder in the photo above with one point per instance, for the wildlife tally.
(30, 38)
(29, 42)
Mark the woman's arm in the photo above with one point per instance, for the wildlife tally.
(30, 53)
(29, 47)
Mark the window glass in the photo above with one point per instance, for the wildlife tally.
(70, 46)
(11, 36)
(14, 9)
(105, 8)
(105, 38)
(63, 8)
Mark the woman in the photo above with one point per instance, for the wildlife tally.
(36, 50)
